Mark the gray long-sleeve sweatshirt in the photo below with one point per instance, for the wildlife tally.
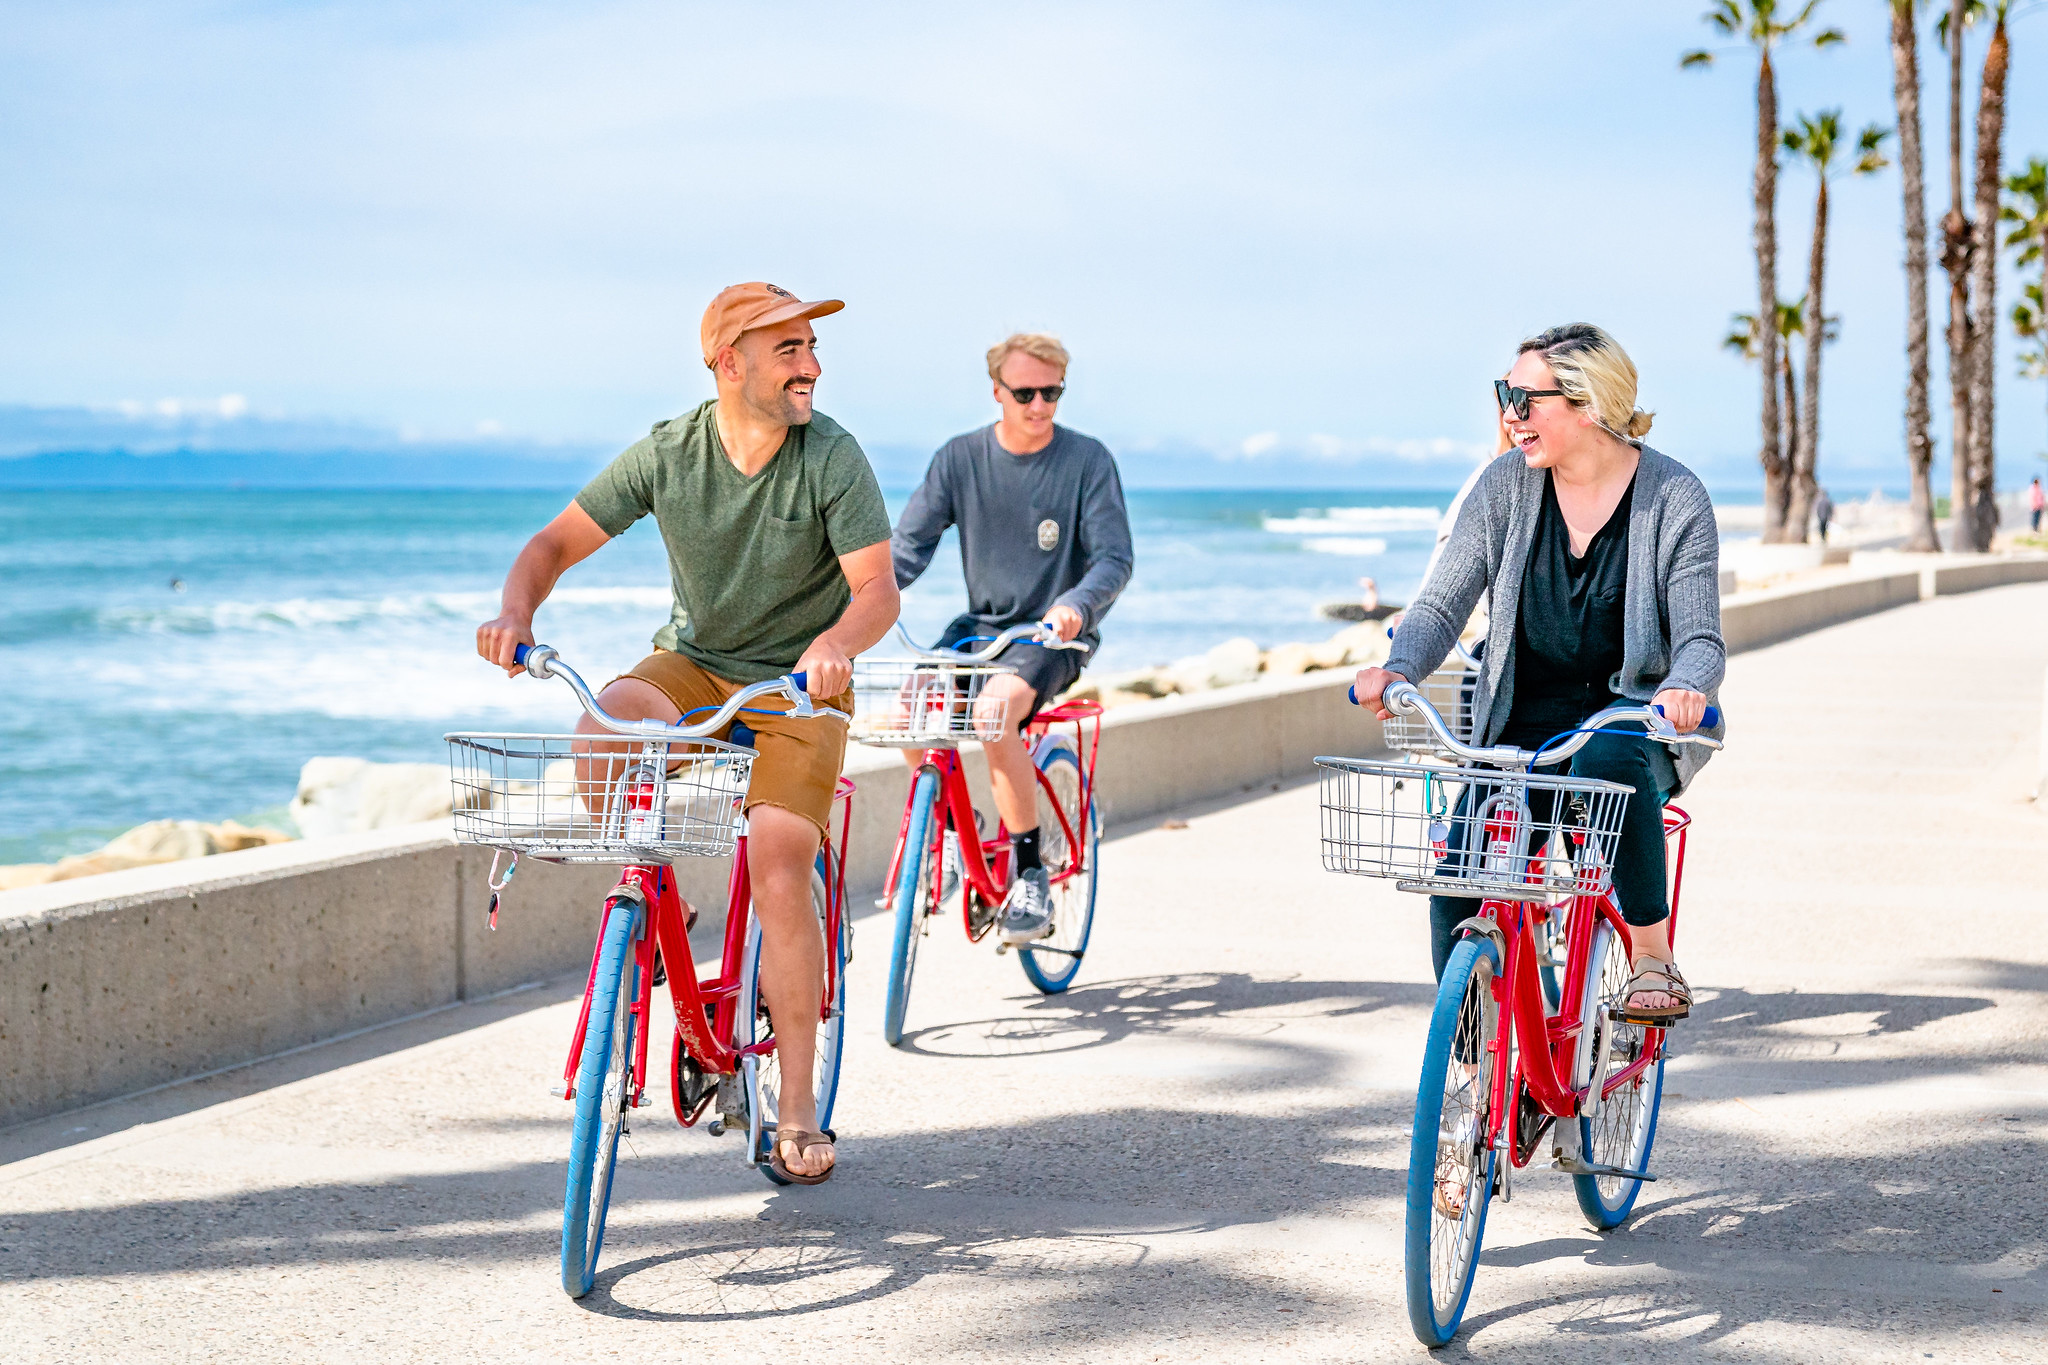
(1036, 531)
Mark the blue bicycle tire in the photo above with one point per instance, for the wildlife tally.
(593, 1143)
(1437, 1296)
(1610, 1207)
(911, 892)
(831, 1031)
(1052, 965)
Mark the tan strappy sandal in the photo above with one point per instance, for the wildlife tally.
(1663, 977)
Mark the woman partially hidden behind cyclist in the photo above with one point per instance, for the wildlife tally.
(1603, 561)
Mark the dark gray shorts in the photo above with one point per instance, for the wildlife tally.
(1048, 671)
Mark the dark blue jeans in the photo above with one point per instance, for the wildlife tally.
(1639, 871)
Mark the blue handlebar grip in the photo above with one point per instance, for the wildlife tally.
(1352, 692)
(519, 653)
(1707, 721)
(798, 679)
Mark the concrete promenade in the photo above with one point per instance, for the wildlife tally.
(1197, 1153)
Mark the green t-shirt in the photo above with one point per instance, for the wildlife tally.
(753, 562)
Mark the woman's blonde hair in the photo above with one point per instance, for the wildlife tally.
(1037, 345)
(1596, 374)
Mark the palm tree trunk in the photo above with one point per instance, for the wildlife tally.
(1791, 380)
(1919, 441)
(1955, 259)
(1983, 503)
(1766, 242)
(1806, 453)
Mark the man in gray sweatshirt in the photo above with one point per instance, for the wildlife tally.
(1043, 537)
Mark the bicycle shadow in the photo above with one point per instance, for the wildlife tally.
(790, 1266)
(1235, 1004)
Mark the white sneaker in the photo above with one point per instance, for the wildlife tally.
(1027, 911)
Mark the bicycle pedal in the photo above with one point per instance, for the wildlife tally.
(560, 1092)
(1573, 1166)
(1621, 1017)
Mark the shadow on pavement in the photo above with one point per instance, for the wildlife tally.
(1106, 1012)
(1058, 1203)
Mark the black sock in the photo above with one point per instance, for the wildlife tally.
(1024, 850)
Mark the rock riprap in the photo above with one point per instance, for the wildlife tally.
(159, 841)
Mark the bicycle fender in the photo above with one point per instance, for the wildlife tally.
(1479, 924)
(629, 890)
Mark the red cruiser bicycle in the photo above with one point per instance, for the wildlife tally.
(1507, 1061)
(931, 702)
(671, 792)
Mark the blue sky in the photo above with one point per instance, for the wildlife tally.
(1275, 236)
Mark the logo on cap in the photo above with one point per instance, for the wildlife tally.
(779, 293)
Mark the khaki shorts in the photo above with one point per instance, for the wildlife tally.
(798, 769)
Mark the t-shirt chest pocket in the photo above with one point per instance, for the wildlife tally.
(791, 546)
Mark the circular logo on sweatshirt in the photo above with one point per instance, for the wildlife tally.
(1048, 534)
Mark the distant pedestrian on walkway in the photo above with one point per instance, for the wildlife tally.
(1823, 513)
(2036, 500)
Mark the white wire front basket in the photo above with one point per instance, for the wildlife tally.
(925, 703)
(598, 799)
(1481, 832)
(1449, 690)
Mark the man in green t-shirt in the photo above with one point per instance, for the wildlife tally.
(778, 550)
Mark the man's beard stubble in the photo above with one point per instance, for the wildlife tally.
(778, 405)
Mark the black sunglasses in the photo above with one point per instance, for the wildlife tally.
(1052, 392)
(1512, 399)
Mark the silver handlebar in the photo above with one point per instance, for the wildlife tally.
(1036, 631)
(543, 662)
(1404, 697)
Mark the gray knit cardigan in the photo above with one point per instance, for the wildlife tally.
(1671, 626)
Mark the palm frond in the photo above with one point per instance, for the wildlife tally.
(1698, 57)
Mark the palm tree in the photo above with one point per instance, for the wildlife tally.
(1919, 440)
(1764, 27)
(1982, 522)
(1742, 339)
(1958, 252)
(2027, 211)
(1818, 139)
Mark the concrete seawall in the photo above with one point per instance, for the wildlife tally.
(115, 983)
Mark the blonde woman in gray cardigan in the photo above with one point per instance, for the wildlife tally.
(1603, 562)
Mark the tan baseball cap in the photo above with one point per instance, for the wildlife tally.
(743, 307)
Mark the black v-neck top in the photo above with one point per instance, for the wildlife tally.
(1568, 639)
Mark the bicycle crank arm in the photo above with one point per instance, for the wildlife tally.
(1571, 1165)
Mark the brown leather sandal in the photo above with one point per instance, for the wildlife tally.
(803, 1139)
(1663, 978)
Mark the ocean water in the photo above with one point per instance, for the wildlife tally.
(180, 654)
